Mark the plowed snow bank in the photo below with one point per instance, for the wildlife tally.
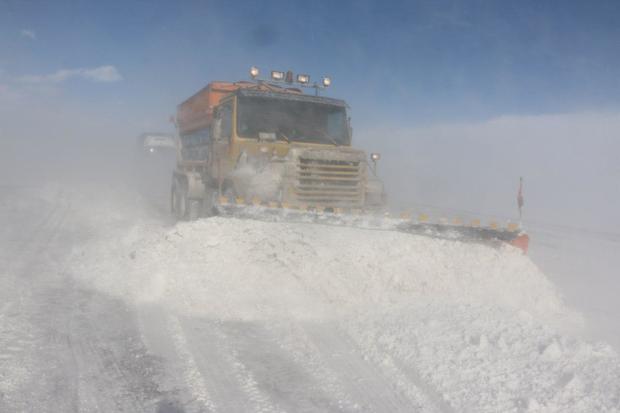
(243, 268)
(475, 328)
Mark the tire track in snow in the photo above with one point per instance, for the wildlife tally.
(192, 375)
(407, 378)
(348, 365)
(245, 377)
(301, 348)
(19, 330)
(366, 382)
(61, 333)
(300, 367)
(218, 356)
(418, 394)
(114, 370)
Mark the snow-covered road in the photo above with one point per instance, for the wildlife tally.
(108, 306)
(64, 346)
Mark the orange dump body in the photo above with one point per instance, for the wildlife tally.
(196, 113)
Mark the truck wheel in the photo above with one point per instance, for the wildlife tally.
(179, 202)
(210, 203)
(194, 209)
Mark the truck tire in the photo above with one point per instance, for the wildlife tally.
(210, 202)
(179, 202)
(194, 209)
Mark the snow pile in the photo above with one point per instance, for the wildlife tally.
(242, 268)
(486, 359)
(477, 328)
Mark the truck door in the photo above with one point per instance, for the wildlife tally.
(222, 135)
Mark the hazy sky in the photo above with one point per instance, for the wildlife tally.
(411, 62)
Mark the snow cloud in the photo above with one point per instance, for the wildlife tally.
(106, 74)
(568, 161)
(30, 34)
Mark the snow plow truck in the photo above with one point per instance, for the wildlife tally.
(264, 149)
(263, 143)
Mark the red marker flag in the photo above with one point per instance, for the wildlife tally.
(520, 196)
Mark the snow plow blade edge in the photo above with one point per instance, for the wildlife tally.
(492, 235)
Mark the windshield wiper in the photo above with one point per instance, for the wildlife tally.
(331, 139)
(285, 137)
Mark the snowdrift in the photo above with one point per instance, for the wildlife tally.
(477, 328)
(243, 268)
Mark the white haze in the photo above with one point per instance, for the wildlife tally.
(571, 194)
(568, 162)
(46, 136)
(570, 167)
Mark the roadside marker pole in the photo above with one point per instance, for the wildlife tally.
(520, 199)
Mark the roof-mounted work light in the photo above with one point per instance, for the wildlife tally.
(254, 72)
(277, 75)
(303, 79)
(289, 77)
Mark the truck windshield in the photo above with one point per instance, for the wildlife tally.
(292, 121)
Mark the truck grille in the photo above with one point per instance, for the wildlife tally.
(323, 182)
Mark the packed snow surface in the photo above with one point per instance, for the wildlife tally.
(244, 315)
